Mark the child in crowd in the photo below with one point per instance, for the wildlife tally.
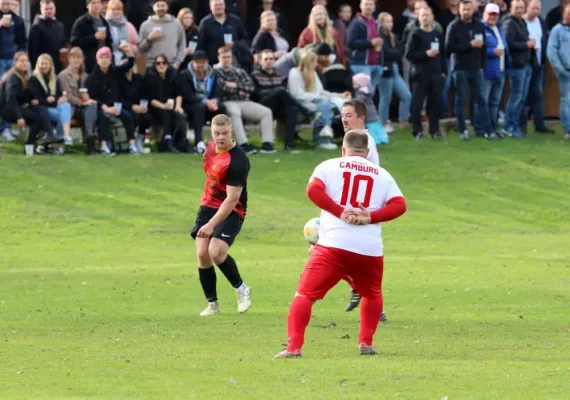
(363, 92)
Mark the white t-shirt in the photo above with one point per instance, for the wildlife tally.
(372, 150)
(535, 32)
(349, 181)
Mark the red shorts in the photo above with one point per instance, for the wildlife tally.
(327, 266)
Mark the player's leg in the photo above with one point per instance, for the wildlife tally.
(355, 298)
(206, 270)
(222, 239)
(321, 273)
(367, 277)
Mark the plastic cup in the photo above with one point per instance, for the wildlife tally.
(144, 103)
(435, 46)
(479, 36)
(170, 101)
(29, 149)
(118, 106)
(228, 38)
(192, 45)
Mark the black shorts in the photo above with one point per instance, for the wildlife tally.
(227, 231)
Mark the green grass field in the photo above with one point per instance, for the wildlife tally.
(99, 293)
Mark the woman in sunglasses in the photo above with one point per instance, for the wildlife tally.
(162, 90)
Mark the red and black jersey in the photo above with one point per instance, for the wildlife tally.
(223, 169)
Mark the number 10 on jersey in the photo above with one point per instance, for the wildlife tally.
(353, 186)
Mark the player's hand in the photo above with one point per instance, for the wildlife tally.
(531, 43)
(499, 52)
(206, 231)
(50, 99)
(179, 110)
(476, 43)
(360, 216)
(35, 102)
(432, 52)
(101, 35)
(154, 35)
(21, 123)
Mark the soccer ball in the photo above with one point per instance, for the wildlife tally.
(311, 230)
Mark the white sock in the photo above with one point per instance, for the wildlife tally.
(242, 288)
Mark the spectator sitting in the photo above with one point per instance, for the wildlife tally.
(46, 90)
(90, 32)
(269, 37)
(162, 34)
(254, 23)
(103, 86)
(73, 80)
(219, 29)
(391, 80)
(16, 105)
(130, 92)
(341, 26)
(270, 91)
(201, 95)
(162, 89)
(320, 30)
(47, 36)
(186, 19)
(305, 85)
(335, 77)
(237, 88)
(122, 31)
(363, 92)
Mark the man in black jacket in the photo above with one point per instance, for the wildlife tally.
(521, 47)
(47, 35)
(90, 32)
(538, 31)
(465, 43)
(428, 69)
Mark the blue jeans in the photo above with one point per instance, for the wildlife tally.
(5, 65)
(390, 85)
(474, 79)
(60, 115)
(520, 81)
(564, 84)
(325, 107)
(493, 93)
(446, 90)
(374, 71)
(535, 99)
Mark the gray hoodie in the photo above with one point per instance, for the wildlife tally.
(172, 44)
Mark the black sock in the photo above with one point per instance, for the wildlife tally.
(208, 281)
(230, 270)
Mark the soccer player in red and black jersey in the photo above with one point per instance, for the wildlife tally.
(221, 214)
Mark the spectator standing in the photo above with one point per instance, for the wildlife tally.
(254, 23)
(445, 18)
(90, 32)
(415, 23)
(237, 87)
(162, 34)
(220, 29)
(521, 47)
(448, 15)
(270, 37)
(137, 11)
(465, 43)
(270, 91)
(366, 44)
(186, 19)
(428, 68)
(391, 81)
(320, 30)
(73, 80)
(305, 85)
(47, 36)
(15, 6)
(122, 31)
(537, 31)
(498, 61)
(46, 90)
(554, 16)
(558, 52)
(404, 19)
(16, 105)
(341, 26)
(103, 86)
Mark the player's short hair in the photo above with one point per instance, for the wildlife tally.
(222, 120)
(356, 140)
(224, 50)
(359, 107)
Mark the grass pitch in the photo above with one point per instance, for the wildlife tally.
(99, 291)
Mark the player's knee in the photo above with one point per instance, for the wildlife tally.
(218, 252)
(204, 257)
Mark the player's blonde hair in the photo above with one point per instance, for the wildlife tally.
(356, 140)
(222, 120)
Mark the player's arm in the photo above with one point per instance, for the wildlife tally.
(227, 206)
(316, 191)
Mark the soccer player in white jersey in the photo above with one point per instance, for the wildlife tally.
(355, 196)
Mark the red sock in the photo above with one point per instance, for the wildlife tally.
(370, 310)
(297, 321)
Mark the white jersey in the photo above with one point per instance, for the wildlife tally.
(372, 150)
(350, 181)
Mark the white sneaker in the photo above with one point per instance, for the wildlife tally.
(190, 135)
(8, 136)
(327, 146)
(244, 299)
(68, 140)
(326, 132)
(201, 147)
(212, 309)
(388, 127)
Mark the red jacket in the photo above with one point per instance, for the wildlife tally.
(307, 38)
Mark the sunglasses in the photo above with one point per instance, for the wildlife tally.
(161, 63)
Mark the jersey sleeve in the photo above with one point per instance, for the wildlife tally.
(320, 173)
(237, 171)
(393, 191)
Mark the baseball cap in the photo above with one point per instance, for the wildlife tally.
(199, 55)
(492, 9)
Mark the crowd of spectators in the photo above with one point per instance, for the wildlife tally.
(176, 72)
